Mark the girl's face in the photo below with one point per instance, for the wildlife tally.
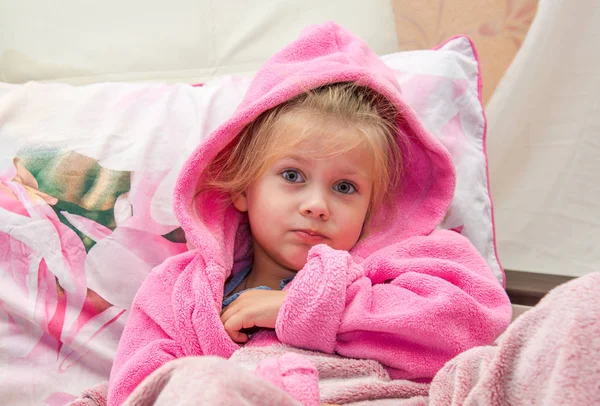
(301, 201)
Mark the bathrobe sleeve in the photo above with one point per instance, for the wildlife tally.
(411, 306)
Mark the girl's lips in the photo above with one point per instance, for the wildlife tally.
(309, 236)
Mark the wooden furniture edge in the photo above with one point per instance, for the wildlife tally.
(528, 288)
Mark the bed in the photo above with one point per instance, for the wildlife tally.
(100, 105)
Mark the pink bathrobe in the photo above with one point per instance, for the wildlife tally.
(408, 296)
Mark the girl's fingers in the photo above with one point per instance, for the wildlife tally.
(233, 321)
(229, 311)
(233, 325)
(240, 338)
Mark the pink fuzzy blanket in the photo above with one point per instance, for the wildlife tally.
(550, 355)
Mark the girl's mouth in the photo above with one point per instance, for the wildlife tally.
(310, 236)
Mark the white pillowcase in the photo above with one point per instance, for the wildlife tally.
(444, 87)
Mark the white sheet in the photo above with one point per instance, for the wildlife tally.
(544, 144)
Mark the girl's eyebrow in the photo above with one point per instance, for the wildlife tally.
(353, 172)
(348, 169)
(297, 158)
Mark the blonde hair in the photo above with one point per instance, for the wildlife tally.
(262, 141)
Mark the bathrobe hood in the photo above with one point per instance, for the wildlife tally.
(322, 54)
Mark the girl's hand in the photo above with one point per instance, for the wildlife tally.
(253, 308)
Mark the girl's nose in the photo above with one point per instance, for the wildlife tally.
(315, 205)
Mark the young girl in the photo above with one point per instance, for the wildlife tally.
(312, 214)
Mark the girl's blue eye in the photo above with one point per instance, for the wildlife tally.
(346, 188)
(292, 176)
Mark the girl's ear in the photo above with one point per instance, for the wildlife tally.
(240, 202)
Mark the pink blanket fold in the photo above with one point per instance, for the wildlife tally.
(283, 376)
(333, 379)
(549, 356)
(94, 396)
(407, 296)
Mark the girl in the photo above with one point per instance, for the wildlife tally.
(312, 214)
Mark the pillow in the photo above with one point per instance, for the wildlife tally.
(86, 176)
(443, 86)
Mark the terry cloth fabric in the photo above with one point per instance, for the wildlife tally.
(407, 295)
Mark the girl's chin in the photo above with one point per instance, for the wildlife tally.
(296, 264)
(295, 267)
